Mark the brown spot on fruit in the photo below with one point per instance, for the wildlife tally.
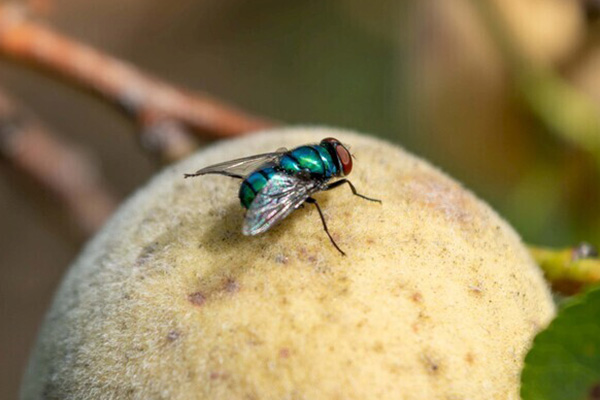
(218, 375)
(421, 321)
(476, 290)
(308, 255)
(284, 353)
(197, 299)
(231, 286)
(470, 358)
(378, 347)
(361, 323)
(415, 327)
(432, 365)
(417, 297)
(173, 336)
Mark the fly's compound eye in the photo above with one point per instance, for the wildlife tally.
(345, 158)
(332, 141)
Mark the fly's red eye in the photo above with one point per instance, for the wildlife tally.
(331, 140)
(345, 158)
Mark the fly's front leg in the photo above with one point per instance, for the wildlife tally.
(341, 182)
(310, 200)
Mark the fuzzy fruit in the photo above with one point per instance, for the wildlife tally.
(437, 298)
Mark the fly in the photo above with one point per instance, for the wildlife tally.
(275, 184)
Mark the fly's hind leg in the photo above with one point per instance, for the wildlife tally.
(354, 192)
(214, 173)
(310, 200)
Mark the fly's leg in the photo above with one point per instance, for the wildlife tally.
(313, 201)
(341, 182)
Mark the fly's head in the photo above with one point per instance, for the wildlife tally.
(340, 153)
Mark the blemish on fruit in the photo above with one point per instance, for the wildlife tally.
(281, 259)
(397, 289)
(231, 286)
(415, 327)
(378, 347)
(476, 290)
(308, 255)
(146, 254)
(218, 375)
(173, 335)
(284, 352)
(416, 297)
(470, 358)
(197, 299)
(432, 365)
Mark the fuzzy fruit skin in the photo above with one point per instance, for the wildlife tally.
(437, 298)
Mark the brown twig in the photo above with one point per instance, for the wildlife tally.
(60, 169)
(163, 112)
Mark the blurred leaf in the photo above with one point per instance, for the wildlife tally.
(564, 362)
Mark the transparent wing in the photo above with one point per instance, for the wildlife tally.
(280, 196)
(240, 167)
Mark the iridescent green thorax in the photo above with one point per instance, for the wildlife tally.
(315, 159)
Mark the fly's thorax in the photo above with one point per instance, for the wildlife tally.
(314, 159)
(254, 183)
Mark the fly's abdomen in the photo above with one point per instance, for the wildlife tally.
(315, 159)
(253, 184)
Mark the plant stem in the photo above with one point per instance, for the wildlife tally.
(60, 169)
(166, 114)
(569, 269)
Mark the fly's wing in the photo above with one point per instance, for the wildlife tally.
(280, 196)
(240, 167)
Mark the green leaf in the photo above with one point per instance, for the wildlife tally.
(564, 362)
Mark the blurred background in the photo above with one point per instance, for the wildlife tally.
(487, 90)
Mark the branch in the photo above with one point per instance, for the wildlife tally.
(57, 167)
(163, 112)
(570, 269)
